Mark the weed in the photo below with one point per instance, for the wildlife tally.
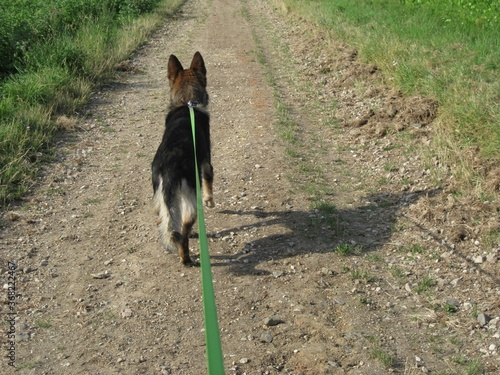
(425, 285)
(416, 249)
(365, 301)
(397, 272)
(386, 359)
(346, 249)
(472, 367)
(449, 308)
(359, 275)
(391, 167)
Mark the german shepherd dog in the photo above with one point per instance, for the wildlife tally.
(173, 167)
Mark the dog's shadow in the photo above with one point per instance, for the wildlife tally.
(355, 231)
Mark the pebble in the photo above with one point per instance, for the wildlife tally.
(453, 302)
(277, 274)
(101, 275)
(244, 360)
(479, 259)
(483, 319)
(126, 313)
(273, 321)
(266, 337)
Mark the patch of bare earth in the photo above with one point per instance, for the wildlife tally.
(343, 252)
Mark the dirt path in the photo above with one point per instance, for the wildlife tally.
(369, 263)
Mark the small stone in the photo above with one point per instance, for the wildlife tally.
(327, 272)
(101, 275)
(453, 302)
(479, 259)
(44, 263)
(483, 319)
(258, 166)
(493, 323)
(126, 313)
(28, 269)
(492, 348)
(334, 364)
(244, 360)
(454, 282)
(408, 287)
(266, 337)
(273, 321)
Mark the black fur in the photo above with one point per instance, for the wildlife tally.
(175, 157)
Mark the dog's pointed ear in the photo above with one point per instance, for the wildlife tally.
(174, 68)
(198, 64)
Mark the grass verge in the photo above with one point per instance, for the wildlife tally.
(424, 48)
(55, 75)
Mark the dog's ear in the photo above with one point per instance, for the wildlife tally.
(174, 68)
(197, 64)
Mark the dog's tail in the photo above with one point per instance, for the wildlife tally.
(176, 209)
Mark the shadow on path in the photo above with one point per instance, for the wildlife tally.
(367, 227)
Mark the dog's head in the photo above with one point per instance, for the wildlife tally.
(187, 84)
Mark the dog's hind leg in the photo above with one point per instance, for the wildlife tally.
(207, 175)
(188, 218)
(164, 219)
(184, 246)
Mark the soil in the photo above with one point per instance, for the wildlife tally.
(337, 246)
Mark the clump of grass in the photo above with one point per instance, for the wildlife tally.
(360, 275)
(347, 249)
(449, 308)
(385, 358)
(472, 367)
(425, 285)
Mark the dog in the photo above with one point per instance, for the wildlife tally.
(173, 167)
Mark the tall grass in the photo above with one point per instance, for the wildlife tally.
(446, 49)
(52, 54)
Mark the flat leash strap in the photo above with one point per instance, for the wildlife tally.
(215, 362)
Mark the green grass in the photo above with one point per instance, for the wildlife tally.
(386, 359)
(347, 249)
(52, 55)
(425, 285)
(471, 367)
(446, 50)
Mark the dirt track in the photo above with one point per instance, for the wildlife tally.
(96, 293)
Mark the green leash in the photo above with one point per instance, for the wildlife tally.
(215, 362)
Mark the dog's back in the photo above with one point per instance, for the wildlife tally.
(173, 168)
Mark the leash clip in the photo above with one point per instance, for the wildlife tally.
(192, 103)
